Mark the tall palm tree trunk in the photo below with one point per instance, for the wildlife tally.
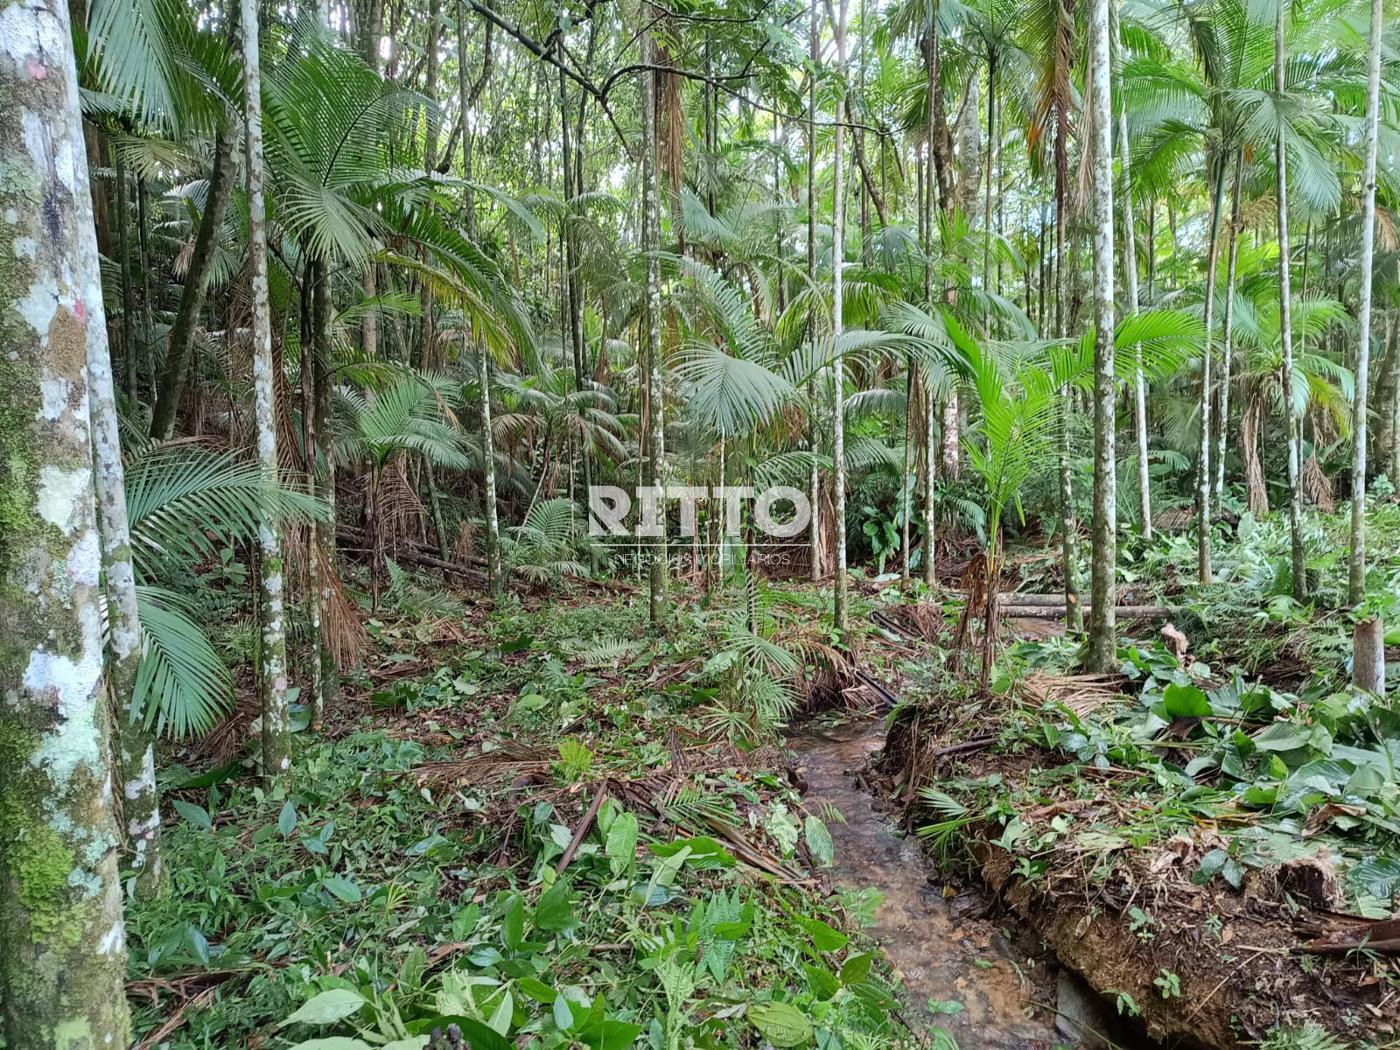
(495, 579)
(838, 379)
(651, 231)
(64, 959)
(931, 178)
(272, 684)
(1069, 527)
(1130, 279)
(1222, 418)
(1203, 476)
(1103, 644)
(312, 279)
(1285, 296)
(180, 348)
(136, 745)
(814, 474)
(1356, 575)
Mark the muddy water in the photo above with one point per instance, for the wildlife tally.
(965, 960)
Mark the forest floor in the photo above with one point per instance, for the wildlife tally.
(538, 820)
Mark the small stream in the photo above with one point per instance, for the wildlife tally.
(940, 949)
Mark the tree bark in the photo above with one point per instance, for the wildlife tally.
(136, 747)
(933, 105)
(272, 677)
(1069, 527)
(1222, 418)
(186, 324)
(1203, 476)
(128, 287)
(1285, 295)
(838, 379)
(1368, 650)
(1130, 275)
(651, 358)
(495, 578)
(1103, 642)
(1356, 575)
(814, 475)
(309, 327)
(61, 982)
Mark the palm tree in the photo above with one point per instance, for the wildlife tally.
(1285, 304)
(272, 669)
(185, 504)
(1103, 647)
(653, 387)
(838, 380)
(381, 431)
(1356, 577)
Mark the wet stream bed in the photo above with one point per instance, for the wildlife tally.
(960, 971)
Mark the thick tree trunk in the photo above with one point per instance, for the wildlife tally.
(651, 358)
(1255, 484)
(60, 900)
(1285, 296)
(272, 670)
(1103, 641)
(838, 378)
(1368, 647)
(1356, 576)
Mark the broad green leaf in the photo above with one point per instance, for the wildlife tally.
(1186, 701)
(621, 846)
(328, 1006)
(857, 968)
(826, 938)
(701, 852)
(555, 910)
(343, 888)
(287, 819)
(782, 1024)
(513, 923)
(196, 815)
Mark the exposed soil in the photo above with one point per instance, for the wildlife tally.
(941, 952)
(1234, 953)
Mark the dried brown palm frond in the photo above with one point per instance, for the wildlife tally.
(399, 510)
(464, 547)
(341, 629)
(1317, 486)
(1081, 693)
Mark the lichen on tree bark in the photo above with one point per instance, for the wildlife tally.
(63, 959)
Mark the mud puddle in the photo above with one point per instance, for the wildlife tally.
(985, 992)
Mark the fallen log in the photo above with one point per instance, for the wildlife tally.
(414, 555)
(1055, 612)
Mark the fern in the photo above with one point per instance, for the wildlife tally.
(413, 599)
(1308, 1038)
